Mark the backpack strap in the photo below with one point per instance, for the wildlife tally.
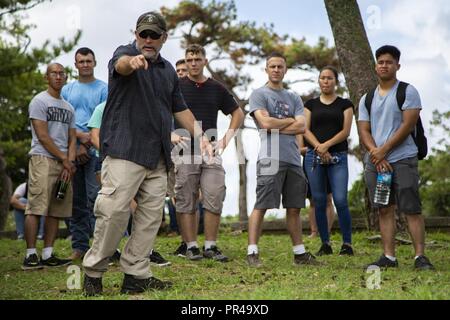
(401, 94)
(369, 99)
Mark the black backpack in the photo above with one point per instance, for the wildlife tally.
(418, 134)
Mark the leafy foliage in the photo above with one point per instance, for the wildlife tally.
(20, 79)
(233, 44)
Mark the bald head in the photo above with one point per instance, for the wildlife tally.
(55, 76)
(53, 65)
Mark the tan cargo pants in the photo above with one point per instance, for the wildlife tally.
(122, 181)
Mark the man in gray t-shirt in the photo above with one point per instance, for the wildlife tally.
(52, 158)
(385, 132)
(278, 114)
(60, 117)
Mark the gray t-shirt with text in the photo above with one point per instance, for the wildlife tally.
(60, 117)
(280, 104)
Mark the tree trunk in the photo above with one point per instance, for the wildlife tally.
(5, 192)
(356, 60)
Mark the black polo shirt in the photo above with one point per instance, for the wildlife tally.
(205, 100)
(137, 120)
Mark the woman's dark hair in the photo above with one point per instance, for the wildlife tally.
(332, 69)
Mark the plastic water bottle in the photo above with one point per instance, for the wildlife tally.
(383, 188)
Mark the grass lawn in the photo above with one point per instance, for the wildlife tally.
(338, 278)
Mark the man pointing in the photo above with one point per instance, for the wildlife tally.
(135, 144)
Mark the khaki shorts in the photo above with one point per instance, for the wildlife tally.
(42, 180)
(209, 178)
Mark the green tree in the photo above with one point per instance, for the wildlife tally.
(233, 44)
(435, 170)
(20, 79)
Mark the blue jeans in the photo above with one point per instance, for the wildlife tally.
(337, 175)
(85, 189)
(19, 216)
(173, 216)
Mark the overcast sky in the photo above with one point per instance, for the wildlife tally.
(421, 30)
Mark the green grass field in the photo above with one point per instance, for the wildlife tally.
(339, 277)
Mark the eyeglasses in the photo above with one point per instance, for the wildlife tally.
(54, 74)
(148, 33)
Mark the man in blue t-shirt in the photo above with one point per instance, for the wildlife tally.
(84, 95)
(385, 132)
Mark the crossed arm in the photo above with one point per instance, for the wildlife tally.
(290, 126)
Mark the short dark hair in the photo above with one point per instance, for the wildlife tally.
(393, 51)
(332, 69)
(181, 61)
(195, 49)
(275, 55)
(84, 51)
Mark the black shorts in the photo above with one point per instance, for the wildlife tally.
(404, 188)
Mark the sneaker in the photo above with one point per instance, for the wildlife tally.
(92, 286)
(53, 261)
(40, 237)
(325, 250)
(215, 254)
(31, 263)
(158, 260)
(181, 250)
(346, 250)
(305, 258)
(384, 263)
(193, 254)
(132, 285)
(253, 260)
(422, 263)
(115, 258)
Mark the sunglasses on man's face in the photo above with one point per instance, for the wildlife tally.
(152, 34)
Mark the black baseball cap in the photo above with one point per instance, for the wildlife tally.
(153, 21)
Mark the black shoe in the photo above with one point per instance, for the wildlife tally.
(305, 258)
(53, 261)
(132, 285)
(324, 250)
(346, 250)
(215, 254)
(158, 260)
(193, 254)
(92, 286)
(181, 250)
(31, 263)
(383, 263)
(115, 258)
(422, 263)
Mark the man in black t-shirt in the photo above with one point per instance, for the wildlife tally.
(204, 97)
(143, 97)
